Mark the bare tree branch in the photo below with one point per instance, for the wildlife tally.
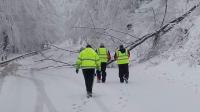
(107, 29)
(122, 32)
(157, 36)
(92, 21)
(22, 56)
(154, 15)
(51, 59)
(85, 27)
(165, 13)
(112, 37)
(53, 67)
(63, 49)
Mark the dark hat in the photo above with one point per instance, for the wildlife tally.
(121, 46)
(88, 46)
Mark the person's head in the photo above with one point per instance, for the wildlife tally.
(122, 49)
(121, 46)
(88, 46)
(102, 45)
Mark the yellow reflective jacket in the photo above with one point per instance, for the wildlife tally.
(87, 59)
(122, 58)
(103, 54)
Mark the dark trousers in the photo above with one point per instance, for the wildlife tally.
(89, 78)
(102, 72)
(123, 72)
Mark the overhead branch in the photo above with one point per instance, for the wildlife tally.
(157, 37)
(163, 30)
(22, 56)
(154, 16)
(84, 27)
(63, 49)
(54, 60)
(112, 37)
(123, 33)
(52, 67)
(51, 59)
(92, 21)
(164, 13)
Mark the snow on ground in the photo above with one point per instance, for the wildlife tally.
(154, 86)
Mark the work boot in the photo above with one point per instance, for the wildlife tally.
(125, 79)
(121, 81)
(103, 80)
(98, 81)
(89, 94)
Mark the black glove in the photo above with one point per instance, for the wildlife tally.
(77, 71)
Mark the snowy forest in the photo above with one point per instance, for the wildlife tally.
(40, 41)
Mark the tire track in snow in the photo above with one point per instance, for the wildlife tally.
(39, 100)
(8, 69)
(83, 102)
(40, 87)
(39, 103)
(42, 98)
(2, 76)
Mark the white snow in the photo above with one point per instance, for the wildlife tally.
(154, 86)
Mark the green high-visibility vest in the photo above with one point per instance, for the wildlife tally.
(102, 52)
(122, 58)
(87, 59)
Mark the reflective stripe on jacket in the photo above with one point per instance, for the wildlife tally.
(87, 59)
(122, 58)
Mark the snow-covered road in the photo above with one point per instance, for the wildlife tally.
(23, 88)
